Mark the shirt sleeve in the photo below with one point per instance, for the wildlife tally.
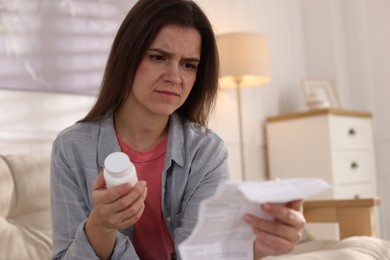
(70, 209)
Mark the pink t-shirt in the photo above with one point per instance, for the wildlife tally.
(151, 238)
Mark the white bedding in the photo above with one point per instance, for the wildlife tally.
(358, 247)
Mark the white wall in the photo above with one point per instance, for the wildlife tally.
(280, 21)
(29, 121)
(343, 41)
(377, 67)
(347, 42)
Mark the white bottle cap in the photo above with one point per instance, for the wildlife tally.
(117, 164)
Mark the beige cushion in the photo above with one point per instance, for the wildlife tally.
(7, 189)
(25, 224)
(357, 247)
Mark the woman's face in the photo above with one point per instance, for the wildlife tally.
(167, 72)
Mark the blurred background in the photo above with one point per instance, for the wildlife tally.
(53, 52)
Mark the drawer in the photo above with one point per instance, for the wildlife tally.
(352, 167)
(351, 132)
(354, 191)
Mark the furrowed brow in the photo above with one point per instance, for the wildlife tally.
(160, 51)
(163, 52)
(195, 60)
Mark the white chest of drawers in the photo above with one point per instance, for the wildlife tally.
(332, 144)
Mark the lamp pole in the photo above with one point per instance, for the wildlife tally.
(238, 80)
(243, 58)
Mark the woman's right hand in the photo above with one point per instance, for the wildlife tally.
(118, 207)
(113, 209)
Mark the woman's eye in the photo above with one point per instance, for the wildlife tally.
(190, 66)
(157, 57)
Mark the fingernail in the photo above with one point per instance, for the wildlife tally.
(247, 218)
(290, 216)
(266, 206)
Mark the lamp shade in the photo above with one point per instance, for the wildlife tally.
(244, 59)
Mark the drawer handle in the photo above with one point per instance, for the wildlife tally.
(354, 165)
(351, 132)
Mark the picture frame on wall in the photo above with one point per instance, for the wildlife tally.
(319, 94)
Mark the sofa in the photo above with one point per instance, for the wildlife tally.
(25, 223)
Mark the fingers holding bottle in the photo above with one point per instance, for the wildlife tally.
(117, 207)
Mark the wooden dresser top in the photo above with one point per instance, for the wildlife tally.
(319, 112)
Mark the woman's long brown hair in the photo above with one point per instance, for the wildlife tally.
(135, 35)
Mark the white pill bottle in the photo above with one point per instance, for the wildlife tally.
(118, 169)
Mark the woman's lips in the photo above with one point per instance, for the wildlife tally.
(167, 93)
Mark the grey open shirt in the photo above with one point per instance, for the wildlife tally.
(196, 162)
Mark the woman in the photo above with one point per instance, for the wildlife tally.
(159, 87)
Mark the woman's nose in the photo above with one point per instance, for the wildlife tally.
(172, 73)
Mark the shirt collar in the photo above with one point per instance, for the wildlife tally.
(108, 142)
(176, 145)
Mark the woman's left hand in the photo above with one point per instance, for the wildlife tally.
(280, 235)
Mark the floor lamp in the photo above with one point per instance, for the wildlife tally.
(244, 63)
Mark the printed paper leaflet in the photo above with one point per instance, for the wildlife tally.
(222, 234)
